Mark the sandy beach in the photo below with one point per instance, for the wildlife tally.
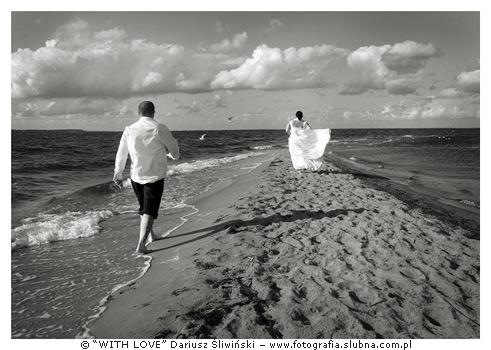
(278, 253)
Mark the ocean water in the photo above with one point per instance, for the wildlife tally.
(442, 162)
(74, 233)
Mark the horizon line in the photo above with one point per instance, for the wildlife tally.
(69, 129)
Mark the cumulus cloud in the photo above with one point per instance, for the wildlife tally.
(392, 67)
(70, 107)
(410, 108)
(227, 45)
(428, 108)
(152, 78)
(467, 83)
(451, 93)
(401, 86)
(273, 68)
(408, 56)
(77, 62)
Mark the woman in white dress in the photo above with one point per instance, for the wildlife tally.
(306, 145)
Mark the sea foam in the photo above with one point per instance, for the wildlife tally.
(46, 228)
(261, 147)
(184, 168)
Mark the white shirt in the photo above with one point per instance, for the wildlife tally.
(147, 142)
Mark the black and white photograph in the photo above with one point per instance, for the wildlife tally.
(245, 175)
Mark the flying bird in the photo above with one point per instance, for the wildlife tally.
(230, 118)
(202, 137)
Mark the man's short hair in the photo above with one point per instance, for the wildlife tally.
(299, 115)
(146, 108)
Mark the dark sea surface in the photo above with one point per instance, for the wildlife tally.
(73, 233)
(443, 163)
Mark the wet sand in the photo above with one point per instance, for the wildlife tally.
(278, 253)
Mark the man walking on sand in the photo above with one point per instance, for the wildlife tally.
(147, 142)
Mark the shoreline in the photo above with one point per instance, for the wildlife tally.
(429, 201)
(114, 240)
(199, 215)
(269, 255)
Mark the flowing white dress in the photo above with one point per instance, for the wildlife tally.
(307, 146)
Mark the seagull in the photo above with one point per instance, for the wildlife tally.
(202, 137)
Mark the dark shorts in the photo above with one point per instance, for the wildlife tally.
(149, 196)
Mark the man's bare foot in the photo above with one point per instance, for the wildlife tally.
(142, 249)
(152, 237)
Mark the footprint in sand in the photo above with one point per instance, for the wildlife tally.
(367, 326)
(203, 320)
(471, 277)
(453, 264)
(274, 252)
(233, 327)
(346, 251)
(355, 298)
(432, 322)
(274, 292)
(179, 291)
(300, 293)
(413, 275)
(334, 293)
(397, 297)
(263, 258)
(298, 315)
(389, 283)
(411, 246)
(213, 251)
(204, 265)
(144, 305)
(280, 268)
(312, 262)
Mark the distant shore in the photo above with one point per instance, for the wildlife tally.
(278, 253)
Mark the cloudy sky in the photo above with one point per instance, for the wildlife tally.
(343, 70)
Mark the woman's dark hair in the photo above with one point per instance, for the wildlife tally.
(299, 115)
